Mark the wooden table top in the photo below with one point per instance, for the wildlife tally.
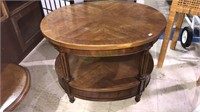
(103, 25)
(15, 83)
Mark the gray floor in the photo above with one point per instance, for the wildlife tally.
(172, 88)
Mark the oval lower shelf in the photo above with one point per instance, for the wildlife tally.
(104, 79)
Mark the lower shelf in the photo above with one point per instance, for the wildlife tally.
(104, 79)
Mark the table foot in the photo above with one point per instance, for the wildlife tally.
(71, 99)
(137, 98)
(66, 88)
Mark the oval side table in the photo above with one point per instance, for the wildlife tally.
(104, 48)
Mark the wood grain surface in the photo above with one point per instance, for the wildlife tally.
(104, 48)
(15, 83)
(104, 79)
(103, 25)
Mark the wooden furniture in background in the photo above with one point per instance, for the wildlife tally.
(104, 48)
(15, 83)
(180, 7)
(20, 31)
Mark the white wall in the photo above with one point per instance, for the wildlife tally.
(140, 1)
(78, 1)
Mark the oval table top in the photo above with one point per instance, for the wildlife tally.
(103, 25)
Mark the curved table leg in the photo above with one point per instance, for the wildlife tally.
(137, 98)
(141, 88)
(143, 77)
(64, 77)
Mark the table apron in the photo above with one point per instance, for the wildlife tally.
(104, 53)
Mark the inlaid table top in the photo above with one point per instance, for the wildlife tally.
(103, 25)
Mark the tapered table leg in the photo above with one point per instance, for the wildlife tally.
(166, 38)
(177, 30)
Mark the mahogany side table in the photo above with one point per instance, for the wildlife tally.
(104, 48)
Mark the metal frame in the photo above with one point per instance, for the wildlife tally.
(195, 22)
